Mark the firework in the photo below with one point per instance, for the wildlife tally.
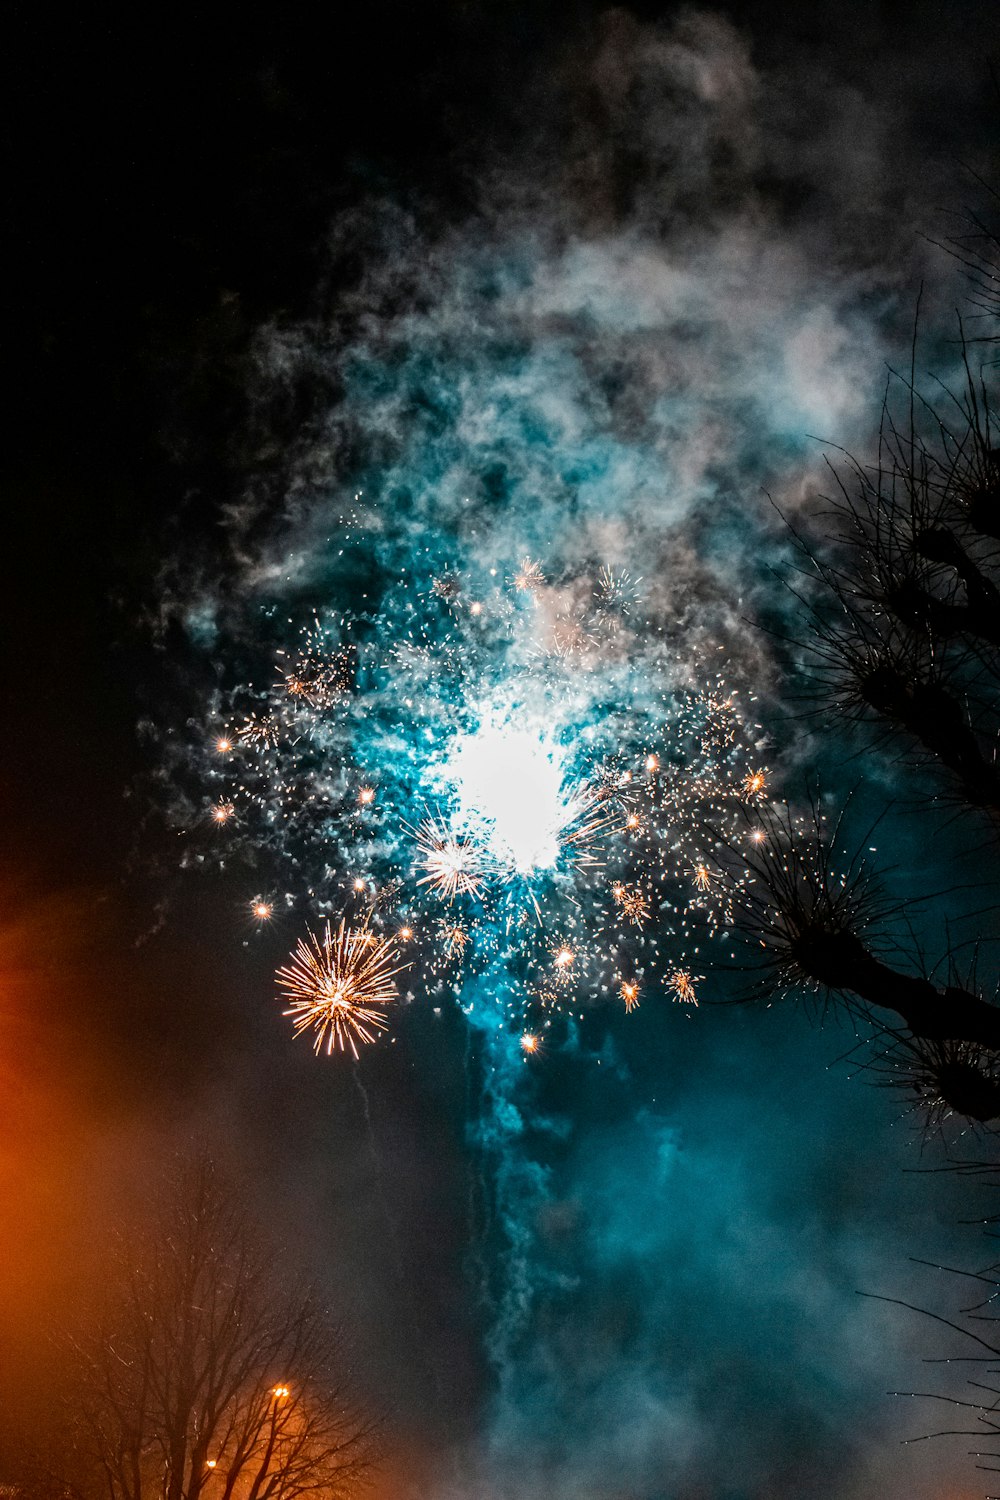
(446, 587)
(562, 850)
(632, 901)
(316, 675)
(455, 939)
(336, 985)
(754, 783)
(682, 982)
(616, 593)
(528, 577)
(261, 731)
(628, 989)
(452, 865)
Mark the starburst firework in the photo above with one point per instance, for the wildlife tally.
(682, 983)
(528, 577)
(452, 865)
(336, 985)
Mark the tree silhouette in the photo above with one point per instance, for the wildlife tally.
(901, 596)
(206, 1370)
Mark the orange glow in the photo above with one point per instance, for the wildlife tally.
(629, 991)
(682, 983)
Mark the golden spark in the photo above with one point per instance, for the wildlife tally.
(260, 730)
(754, 783)
(318, 676)
(633, 902)
(456, 941)
(629, 991)
(336, 983)
(682, 983)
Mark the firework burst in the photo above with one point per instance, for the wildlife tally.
(452, 865)
(573, 791)
(338, 984)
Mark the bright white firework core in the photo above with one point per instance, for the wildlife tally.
(511, 792)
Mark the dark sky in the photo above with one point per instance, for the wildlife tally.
(243, 253)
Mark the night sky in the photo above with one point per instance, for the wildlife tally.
(488, 280)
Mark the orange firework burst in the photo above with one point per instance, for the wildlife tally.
(564, 972)
(629, 991)
(754, 783)
(336, 983)
(456, 939)
(262, 731)
(682, 982)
